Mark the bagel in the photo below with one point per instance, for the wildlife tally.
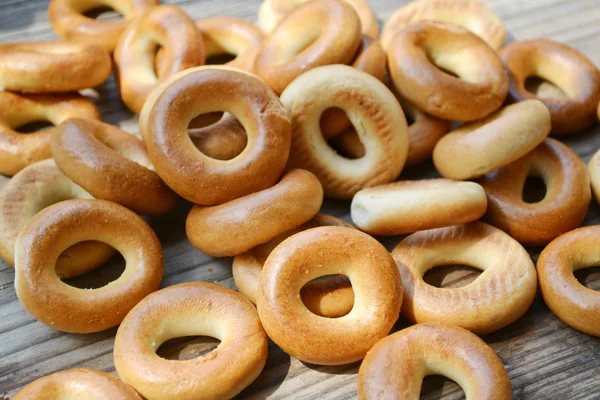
(306, 38)
(192, 308)
(470, 14)
(369, 58)
(493, 142)
(324, 251)
(497, 298)
(330, 298)
(78, 384)
(396, 365)
(166, 26)
(418, 57)
(271, 12)
(562, 209)
(195, 176)
(69, 21)
(409, 206)
(564, 66)
(375, 114)
(18, 150)
(222, 140)
(110, 164)
(30, 191)
(60, 226)
(44, 67)
(239, 225)
(575, 304)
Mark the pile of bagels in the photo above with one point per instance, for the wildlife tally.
(315, 104)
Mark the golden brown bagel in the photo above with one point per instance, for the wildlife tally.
(188, 309)
(222, 140)
(409, 206)
(324, 251)
(111, 165)
(396, 365)
(30, 191)
(78, 384)
(418, 56)
(564, 206)
(470, 14)
(44, 67)
(492, 142)
(166, 26)
(191, 174)
(60, 226)
(565, 67)
(271, 12)
(575, 304)
(375, 114)
(241, 224)
(330, 298)
(69, 21)
(369, 58)
(306, 38)
(18, 150)
(497, 298)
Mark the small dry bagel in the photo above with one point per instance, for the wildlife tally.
(395, 367)
(325, 251)
(30, 191)
(223, 140)
(166, 26)
(188, 309)
(575, 304)
(308, 37)
(369, 58)
(492, 142)
(563, 207)
(330, 298)
(18, 150)
(374, 113)
(271, 12)
(409, 206)
(110, 164)
(69, 21)
(418, 56)
(470, 14)
(497, 298)
(241, 224)
(565, 67)
(60, 226)
(190, 173)
(49, 67)
(78, 384)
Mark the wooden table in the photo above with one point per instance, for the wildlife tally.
(545, 358)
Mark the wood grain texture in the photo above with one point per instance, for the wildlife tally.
(545, 359)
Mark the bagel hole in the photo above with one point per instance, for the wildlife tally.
(589, 277)
(220, 59)
(35, 126)
(442, 68)
(534, 190)
(318, 294)
(438, 386)
(451, 276)
(348, 145)
(187, 347)
(103, 13)
(543, 88)
(101, 276)
(217, 137)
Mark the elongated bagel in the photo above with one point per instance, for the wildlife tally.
(396, 365)
(503, 137)
(60, 226)
(409, 206)
(111, 165)
(239, 225)
(189, 309)
(497, 298)
(18, 150)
